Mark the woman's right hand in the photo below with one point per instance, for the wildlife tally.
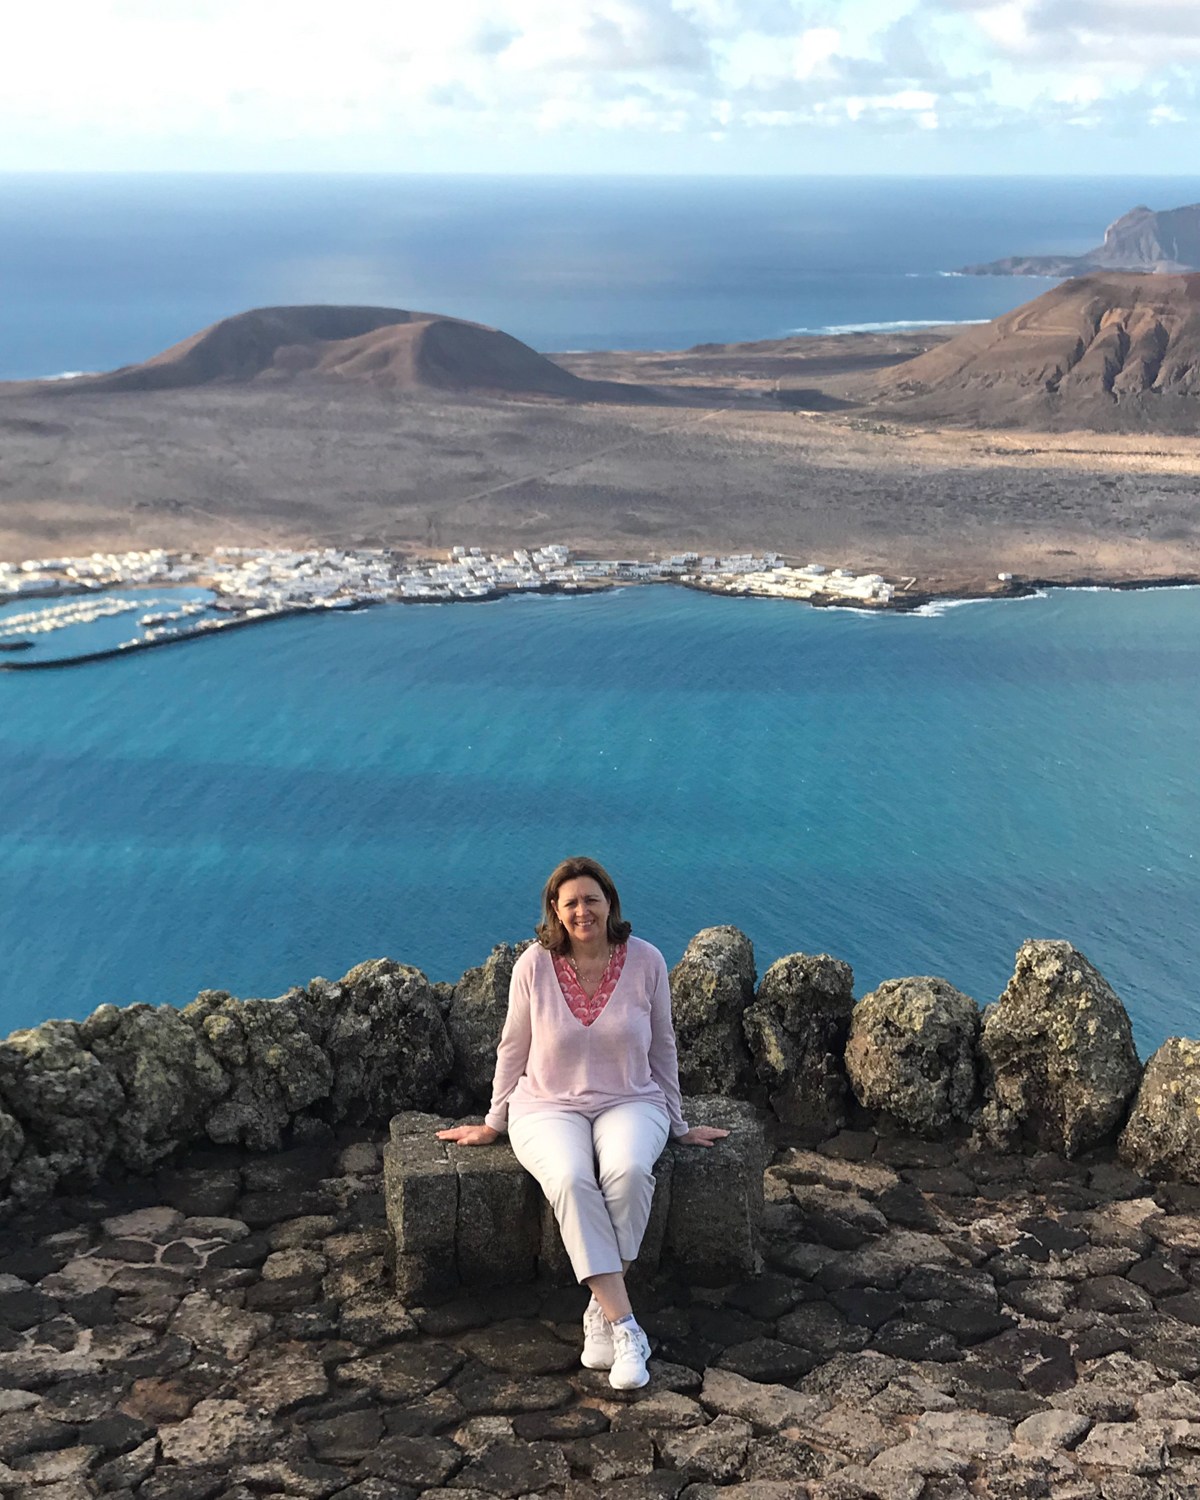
(469, 1135)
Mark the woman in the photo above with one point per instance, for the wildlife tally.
(587, 1086)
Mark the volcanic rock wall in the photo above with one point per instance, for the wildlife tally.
(1051, 1065)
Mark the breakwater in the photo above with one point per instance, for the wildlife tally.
(1050, 1066)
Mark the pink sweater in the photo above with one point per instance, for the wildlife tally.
(547, 1059)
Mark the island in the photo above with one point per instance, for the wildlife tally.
(1058, 444)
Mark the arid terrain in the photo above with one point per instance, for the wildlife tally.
(809, 446)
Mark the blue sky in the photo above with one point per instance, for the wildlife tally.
(891, 86)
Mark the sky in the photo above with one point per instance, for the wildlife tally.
(603, 86)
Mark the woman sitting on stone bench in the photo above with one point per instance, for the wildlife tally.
(587, 1086)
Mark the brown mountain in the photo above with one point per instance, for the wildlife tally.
(383, 347)
(1104, 351)
(1166, 241)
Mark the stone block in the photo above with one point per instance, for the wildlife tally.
(716, 1206)
(499, 1209)
(463, 1216)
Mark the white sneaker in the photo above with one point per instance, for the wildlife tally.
(597, 1339)
(631, 1350)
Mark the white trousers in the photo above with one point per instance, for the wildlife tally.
(597, 1175)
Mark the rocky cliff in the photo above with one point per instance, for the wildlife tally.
(1108, 351)
(1166, 241)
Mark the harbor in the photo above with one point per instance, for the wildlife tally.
(247, 585)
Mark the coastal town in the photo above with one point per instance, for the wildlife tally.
(255, 583)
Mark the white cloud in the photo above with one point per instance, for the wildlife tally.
(376, 76)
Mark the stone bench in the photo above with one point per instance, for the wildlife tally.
(464, 1218)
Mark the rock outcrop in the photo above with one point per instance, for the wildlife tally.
(711, 986)
(386, 1040)
(911, 1054)
(1059, 1065)
(796, 1029)
(475, 1019)
(1162, 1136)
(1165, 241)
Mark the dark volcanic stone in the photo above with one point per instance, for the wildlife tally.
(1157, 1277)
(575, 1422)
(346, 1438)
(285, 1171)
(1095, 1343)
(767, 1296)
(662, 1484)
(92, 1309)
(909, 1340)
(511, 1469)
(318, 1321)
(1053, 1234)
(178, 1483)
(283, 1296)
(378, 1489)
(29, 1432)
(1113, 1294)
(821, 1329)
(163, 1357)
(950, 1182)
(724, 1325)
(867, 1306)
(117, 1433)
(906, 1207)
(201, 1193)
(426, 1462)
(250, 1251)
(452, 1317)
(968, 1322)
(851, 1145)
(520, 1348)
(766, 1360)
(1175, 1359)
(25, 1309)
(483, 1392)
(1042, 1360)
(1185, 1307)
(948, 1284)
(611, 1455)
(261, 1210)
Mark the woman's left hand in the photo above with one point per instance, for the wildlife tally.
(701, 1135)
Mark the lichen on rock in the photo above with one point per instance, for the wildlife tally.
(272, 1051)
(169, 1074)
(65, 1099)
(711, 986)
(475, 1018)
(911, 1053)
(1058, 1060)
(1162, 1136)
(796, 1030)
(385, 1040)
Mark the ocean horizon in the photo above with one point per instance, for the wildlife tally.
(103, 270)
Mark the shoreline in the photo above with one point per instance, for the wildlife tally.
(901, 603)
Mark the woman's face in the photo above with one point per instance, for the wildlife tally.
(582, 908)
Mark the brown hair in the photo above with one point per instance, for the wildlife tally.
(550, 931)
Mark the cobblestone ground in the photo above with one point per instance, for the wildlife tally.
(930, 1323)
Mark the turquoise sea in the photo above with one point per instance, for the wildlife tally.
(913, 794)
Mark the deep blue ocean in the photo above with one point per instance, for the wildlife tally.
(915, 795)
(912, 794)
